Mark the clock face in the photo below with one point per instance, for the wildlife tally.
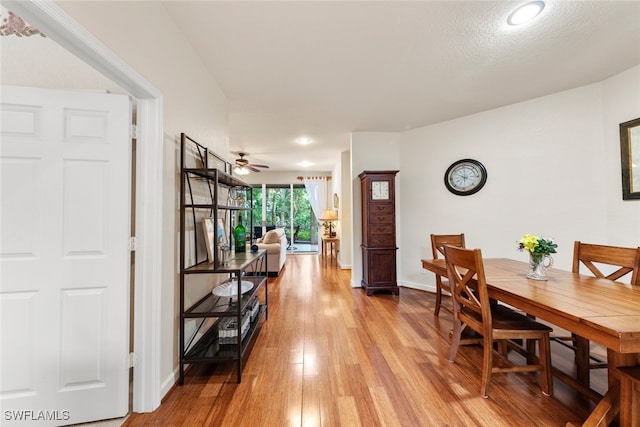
(465, 177)
(380, 190)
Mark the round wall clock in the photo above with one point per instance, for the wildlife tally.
(465, 177)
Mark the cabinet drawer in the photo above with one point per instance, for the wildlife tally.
(385, 208)
(380, 218)
(381, 240)
(381, 229)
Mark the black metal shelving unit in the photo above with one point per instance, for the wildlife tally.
(225, 325)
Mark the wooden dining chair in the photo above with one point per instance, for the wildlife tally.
(495, 322)
(617, 262)
(437, 247)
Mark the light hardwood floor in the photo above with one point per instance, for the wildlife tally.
(330, 356)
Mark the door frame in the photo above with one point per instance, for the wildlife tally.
(61, 28)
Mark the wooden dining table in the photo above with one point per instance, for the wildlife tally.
(600, 310)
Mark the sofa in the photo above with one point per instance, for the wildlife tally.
(275, 242)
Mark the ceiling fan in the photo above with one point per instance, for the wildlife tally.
(243, 166)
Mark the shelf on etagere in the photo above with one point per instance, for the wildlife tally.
(212, 174)
(208, 347)
(218, 206)
(212, 305)
(239, 261)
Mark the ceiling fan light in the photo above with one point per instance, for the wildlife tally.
(242, 171)
(525, 13)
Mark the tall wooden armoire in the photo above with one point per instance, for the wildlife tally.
(378, 231)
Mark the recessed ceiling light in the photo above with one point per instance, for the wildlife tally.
(305, 163)
(525, 13)
(303, 141)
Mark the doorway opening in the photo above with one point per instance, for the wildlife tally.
(288, 207)
(59, 27)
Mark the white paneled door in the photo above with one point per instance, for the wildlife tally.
(65, 172)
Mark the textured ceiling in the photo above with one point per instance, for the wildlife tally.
(326, 69)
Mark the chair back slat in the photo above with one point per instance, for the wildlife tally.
(437, 248)
(439, 240)
(468, 284)
(626, 259)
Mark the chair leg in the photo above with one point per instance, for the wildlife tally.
(531, 345)
(487, 366)
(502, 348)
(455, 340)
(436, 311)
(546, 379)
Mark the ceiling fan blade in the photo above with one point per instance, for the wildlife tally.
(259, 166)
(251, 168)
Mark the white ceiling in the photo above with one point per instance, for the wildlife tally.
(328, 68)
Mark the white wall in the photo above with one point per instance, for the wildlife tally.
(345, 211)
(40, 62)
(553, 169)
(372, 151)
(193, 103)
(621, 103)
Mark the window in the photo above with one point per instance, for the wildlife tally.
(286, 206)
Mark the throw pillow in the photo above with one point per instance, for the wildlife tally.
(272, 236)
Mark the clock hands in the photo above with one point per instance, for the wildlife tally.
(464, 177)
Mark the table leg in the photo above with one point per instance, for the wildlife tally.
(608, 408)
(629, 396)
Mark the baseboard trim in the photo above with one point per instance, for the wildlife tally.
(418, 286)
(169, 383)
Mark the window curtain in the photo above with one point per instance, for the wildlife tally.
(316, 187)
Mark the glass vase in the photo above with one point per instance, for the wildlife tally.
(538, 266)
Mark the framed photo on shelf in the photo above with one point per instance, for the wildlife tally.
(221, 233)
(213, 234)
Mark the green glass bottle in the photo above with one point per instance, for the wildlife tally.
(239, 236)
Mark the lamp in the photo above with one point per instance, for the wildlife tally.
(329, 215)
(241, 170)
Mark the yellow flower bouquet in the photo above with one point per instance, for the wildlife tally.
(540, 250)
(537, 245)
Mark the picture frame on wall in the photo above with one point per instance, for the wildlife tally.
(630, 159)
